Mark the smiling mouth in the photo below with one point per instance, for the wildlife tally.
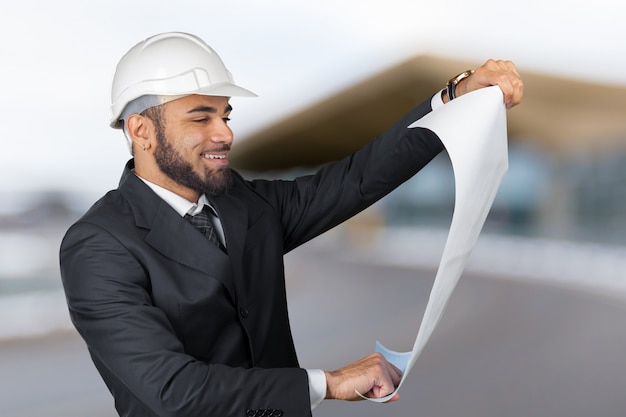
(213, 156)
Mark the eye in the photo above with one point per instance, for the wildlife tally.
(226, 119)
(202, 120)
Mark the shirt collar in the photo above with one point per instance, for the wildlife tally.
(178, 203)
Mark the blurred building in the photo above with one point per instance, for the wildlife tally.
(567, 151)
(566, 176)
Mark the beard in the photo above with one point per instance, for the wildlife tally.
(210, 182)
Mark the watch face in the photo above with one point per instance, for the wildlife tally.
(462, 75)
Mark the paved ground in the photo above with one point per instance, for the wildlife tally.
(503, 349)
(51, 377)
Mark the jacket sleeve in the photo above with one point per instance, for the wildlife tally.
(313, 204)
(138, 352)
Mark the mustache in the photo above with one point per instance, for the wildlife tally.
(223, 148)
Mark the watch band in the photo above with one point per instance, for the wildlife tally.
(452, 83)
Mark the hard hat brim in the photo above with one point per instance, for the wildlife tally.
(224, 90)
(220, 90)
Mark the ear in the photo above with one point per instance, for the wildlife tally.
(141, 130)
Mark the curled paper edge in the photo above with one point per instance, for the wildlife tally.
(473, 131)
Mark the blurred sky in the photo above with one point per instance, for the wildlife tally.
(58, 60)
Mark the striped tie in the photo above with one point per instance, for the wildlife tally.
(202, 222)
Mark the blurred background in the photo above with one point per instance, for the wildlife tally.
(536, 326)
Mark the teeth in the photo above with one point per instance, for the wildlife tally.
(215, 156)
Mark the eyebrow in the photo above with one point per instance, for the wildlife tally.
(209, 109)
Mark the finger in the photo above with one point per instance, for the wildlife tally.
(394, 398)
(504, 74)
(395, 374)
(380, 391)
(510, 83)
(389, 380)
(513, 92)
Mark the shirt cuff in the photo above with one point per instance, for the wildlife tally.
(436, 101)
(317, 386)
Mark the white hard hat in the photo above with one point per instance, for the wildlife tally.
(170, 64)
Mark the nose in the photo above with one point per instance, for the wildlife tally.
(222, 133)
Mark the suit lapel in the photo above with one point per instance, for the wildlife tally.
(172, 235)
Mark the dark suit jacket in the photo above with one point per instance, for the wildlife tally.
(178, 328)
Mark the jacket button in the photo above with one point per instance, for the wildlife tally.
(243, 312)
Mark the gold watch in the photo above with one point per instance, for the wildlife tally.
(452, 83)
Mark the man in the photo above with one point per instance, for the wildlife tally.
(180, 323)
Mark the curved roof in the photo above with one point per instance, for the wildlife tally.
(560, 115)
